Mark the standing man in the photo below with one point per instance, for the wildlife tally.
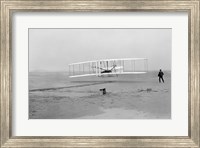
(160, 75)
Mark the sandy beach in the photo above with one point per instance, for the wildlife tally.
(52, 95)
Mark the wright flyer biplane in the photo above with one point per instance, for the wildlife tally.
(108, 67)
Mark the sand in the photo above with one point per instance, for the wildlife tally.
(55, 96)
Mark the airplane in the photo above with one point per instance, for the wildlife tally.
(108, 67)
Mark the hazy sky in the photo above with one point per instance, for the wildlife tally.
(54, 49)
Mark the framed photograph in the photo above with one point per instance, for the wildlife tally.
(99, 73)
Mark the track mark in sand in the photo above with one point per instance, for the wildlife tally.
(74, 86)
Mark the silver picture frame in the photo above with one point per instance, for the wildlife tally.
(9, 7)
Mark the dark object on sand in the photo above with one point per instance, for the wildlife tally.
(149, 89)
(146, 90)
(103, 90)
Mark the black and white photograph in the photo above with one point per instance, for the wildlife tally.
(100, 73)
